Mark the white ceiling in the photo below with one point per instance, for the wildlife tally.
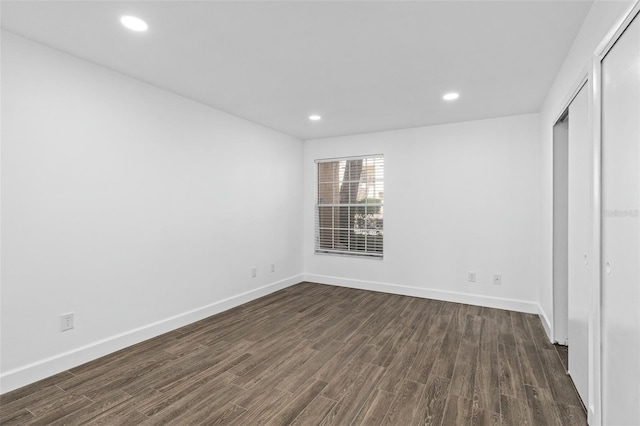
(363, 66)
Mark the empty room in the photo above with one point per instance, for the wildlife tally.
(320, 212)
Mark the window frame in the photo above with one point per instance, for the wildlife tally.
(367, 251)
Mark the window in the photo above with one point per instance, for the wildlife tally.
(349, 206)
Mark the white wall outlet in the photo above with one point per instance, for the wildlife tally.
(497, 279)
(254, 272)
(471, 277)
(273, 267)
(66, 321)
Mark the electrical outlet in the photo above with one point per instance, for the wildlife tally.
(471, 277)
(497, 279)
(273, 267)
(254, 272)
(66, 321)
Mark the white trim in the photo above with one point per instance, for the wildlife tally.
(24, 375)
(585, 75)
(594, 405)
(448, 296)
(352, 157)
(545, 323)
(616, 31)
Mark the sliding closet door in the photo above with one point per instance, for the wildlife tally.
(580, 272)
(621, 230)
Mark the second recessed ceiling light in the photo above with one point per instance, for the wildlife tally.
(134, 24)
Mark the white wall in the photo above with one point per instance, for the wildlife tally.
(136, 209)
(602, 17)
(458, 197)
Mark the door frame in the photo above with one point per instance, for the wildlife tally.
(584, 79)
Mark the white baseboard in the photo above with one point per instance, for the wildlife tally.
(448, 296)
(24, 375)
(545, 323)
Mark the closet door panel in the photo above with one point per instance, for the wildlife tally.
(621, 230)
(580, 272)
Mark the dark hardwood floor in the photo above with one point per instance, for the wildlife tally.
(315, 354)
(563, 353)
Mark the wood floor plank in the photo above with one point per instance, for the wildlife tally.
(532, 370)
(29, 391)
(162, 409)
(107, 364)
(487, 382)
(464, 372)
(317, 354)
(297, 404)
(514, 411)
(457, 411)
(19, 417)
(120, 417)
(375, 408)
(341, 382)
(353, 396)
(123, 413)
(350, 327)
(392, 312)
(295, 380)
(59, 408)
(423, 364)
(560, 384)
(404, 407)
(474, 310)
(505, 328)
(210, 408)
(221, 416)
(259, 355)
(299, 357)
(397, 370)
(472, 330)
(263, 410)
(431, 408)
(511, 381)
(261, 392)
(570, 415)
(200, 363)
(460, 317)
(105, 403)
(489, 334)
(341, 358)
(542, 407)
(374, 324)
(423, 325)
(438, 329)
(537, 331)
(520, 328)
(315, 412)
(480, 417)
(446, 358)
(23, 402)
(132, 371)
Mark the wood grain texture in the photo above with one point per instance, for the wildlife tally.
(320, 355)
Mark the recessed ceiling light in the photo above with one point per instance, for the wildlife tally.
(315, 117)
(134, 24)
(451, 96)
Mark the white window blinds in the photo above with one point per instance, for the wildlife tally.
(349, 206)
